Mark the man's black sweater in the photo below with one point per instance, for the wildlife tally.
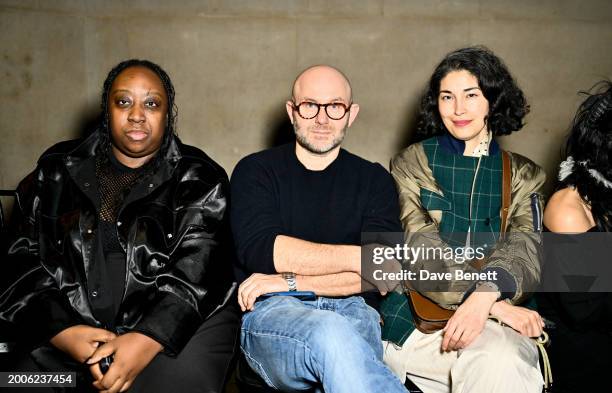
(274, 194)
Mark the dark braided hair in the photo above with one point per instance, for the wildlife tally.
(590, 145)
(507, 104)
(104, 147)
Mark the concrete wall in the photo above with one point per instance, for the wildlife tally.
(233, 62)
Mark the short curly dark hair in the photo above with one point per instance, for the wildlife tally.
(104, 128)
(507, 103)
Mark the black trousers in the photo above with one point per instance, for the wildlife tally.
(580, 361)
(202, 366)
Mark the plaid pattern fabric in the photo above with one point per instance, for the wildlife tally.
(397, 318)
(454, 174)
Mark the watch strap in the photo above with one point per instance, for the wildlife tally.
(291, 283)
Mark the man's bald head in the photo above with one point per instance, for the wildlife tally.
(325, 80)
(319, 88)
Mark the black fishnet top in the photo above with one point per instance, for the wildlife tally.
(115, 181)
(106, 277)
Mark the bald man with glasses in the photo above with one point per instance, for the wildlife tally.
(298, 212)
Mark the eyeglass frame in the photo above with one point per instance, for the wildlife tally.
(296, 107)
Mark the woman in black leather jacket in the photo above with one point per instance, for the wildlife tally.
(121, 250)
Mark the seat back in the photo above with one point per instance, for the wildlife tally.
(4, 194)
(7, 331)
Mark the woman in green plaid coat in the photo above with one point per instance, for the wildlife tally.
(450, 189)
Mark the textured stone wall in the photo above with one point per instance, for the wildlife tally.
(233, 62)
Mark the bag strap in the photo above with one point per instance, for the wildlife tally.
(541, 343)
(479, 264)
(506, 190)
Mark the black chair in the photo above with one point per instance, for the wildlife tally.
(4, 193)
(8, 333)
(249, 381)
(412, 388)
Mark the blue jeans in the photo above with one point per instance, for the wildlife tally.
(333, 343)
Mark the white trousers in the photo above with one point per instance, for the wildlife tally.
(500, 360)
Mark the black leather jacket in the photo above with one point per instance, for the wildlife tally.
(173, 227)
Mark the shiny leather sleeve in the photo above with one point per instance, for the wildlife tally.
(194, 282)
(29, 296)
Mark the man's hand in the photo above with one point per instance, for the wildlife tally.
(258, 284)
(525, 321)
(80, 341)
(468, 321)
(386, 279)
(132, 353)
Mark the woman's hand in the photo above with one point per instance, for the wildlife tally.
(525, 321)
(468, 321)
(132, 353)
(80, 341)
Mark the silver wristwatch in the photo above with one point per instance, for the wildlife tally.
(290, 278)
